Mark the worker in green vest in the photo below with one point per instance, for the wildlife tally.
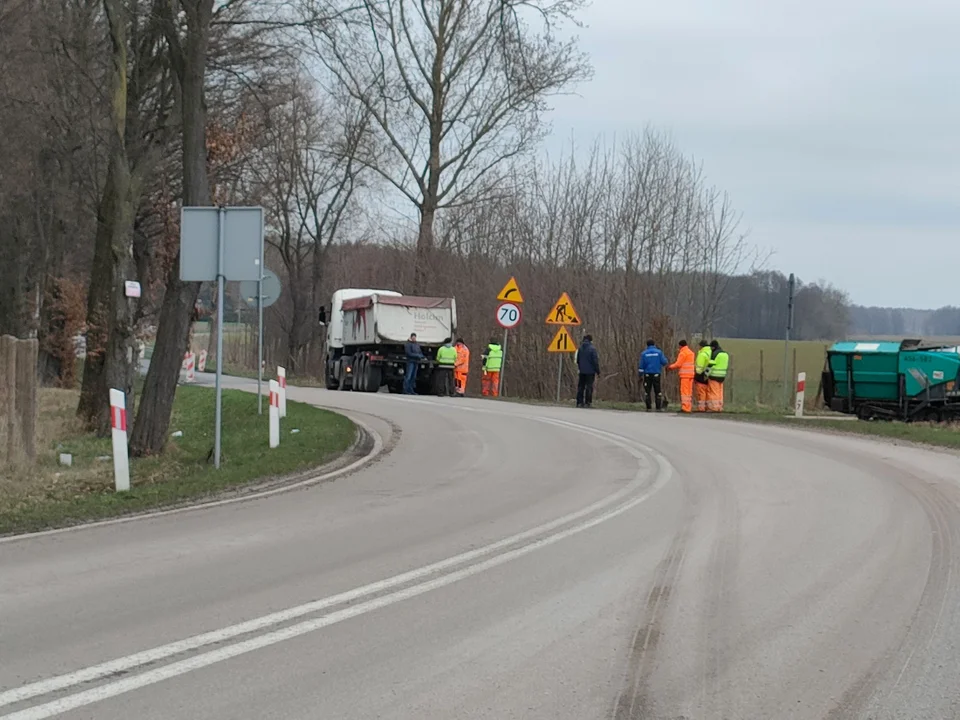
(492, 364)
(716, 374)
(700, 382)
(446, 360)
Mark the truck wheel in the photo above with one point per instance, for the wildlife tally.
(329, 380)
(373, 376)
(343, 374)
(395, 388)
(360, 373)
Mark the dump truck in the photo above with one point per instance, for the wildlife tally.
(910, 380)
(367, 333)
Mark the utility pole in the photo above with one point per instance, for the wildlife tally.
(786, 344)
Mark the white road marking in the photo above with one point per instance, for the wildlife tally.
(195, 642)
(211, 657)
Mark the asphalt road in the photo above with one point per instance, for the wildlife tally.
(509, 561)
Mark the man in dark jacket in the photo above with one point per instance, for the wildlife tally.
(652, 363)
(414, 354)
(588, 363)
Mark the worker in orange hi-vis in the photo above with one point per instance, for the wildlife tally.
(462, 367)
(686, 364)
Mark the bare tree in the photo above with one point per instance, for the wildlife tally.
(188, 40)
(456, 88)
(140, 101)
(306, 174)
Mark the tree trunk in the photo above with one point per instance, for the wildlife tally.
(423, 264)
(109, 312)
(94, 400)
(173, 328)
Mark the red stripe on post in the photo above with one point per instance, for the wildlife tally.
(800, 385)
(119, 418)
(275, 399)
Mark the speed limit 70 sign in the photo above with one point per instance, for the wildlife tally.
(508, 315)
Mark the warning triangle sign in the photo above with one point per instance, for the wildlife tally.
(563, 312)
(562, 342)
(511, 292)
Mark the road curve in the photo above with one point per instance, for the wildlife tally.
(512, 561)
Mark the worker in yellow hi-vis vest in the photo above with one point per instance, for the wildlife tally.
(716, 374)
(700, 382)
(492, 363)
(446, 361)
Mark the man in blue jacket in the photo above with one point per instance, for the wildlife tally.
(588, 363)
(414, 355)
(652, 362)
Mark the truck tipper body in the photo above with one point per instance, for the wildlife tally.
(367, 334)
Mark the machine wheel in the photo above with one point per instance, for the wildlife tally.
(395, 388)
(343, 375)
(329, 380)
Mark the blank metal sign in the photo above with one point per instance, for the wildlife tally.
(243, 242)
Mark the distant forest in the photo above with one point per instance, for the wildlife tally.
(905, 322)
(755, 306)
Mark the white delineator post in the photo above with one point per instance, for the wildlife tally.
(801, 386)
(202, 362)
(188, 365)
(274, 414)
(118, 424)
(282, 383)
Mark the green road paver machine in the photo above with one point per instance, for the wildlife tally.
(909, 380)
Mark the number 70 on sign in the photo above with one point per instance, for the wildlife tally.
(508, 315)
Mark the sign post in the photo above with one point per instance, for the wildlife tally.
(563, 313)
(786, 342)
(261, 294)
(204, 233)
(508, 316)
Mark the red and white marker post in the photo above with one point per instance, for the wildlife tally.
(282, 382)
(274, 414)
(202, 362)
(118, 431)
(188, 365)
(801, 387)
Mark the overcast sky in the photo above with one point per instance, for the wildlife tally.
(834, 125)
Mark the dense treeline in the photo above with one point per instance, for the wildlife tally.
(341, 119)
(905, 322)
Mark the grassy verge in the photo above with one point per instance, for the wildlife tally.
(50, 495)
(946, 436)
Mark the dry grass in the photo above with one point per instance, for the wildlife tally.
(50, 495)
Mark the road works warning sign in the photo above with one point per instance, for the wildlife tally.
(563, 312)
(511, 292)
(562, 342)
